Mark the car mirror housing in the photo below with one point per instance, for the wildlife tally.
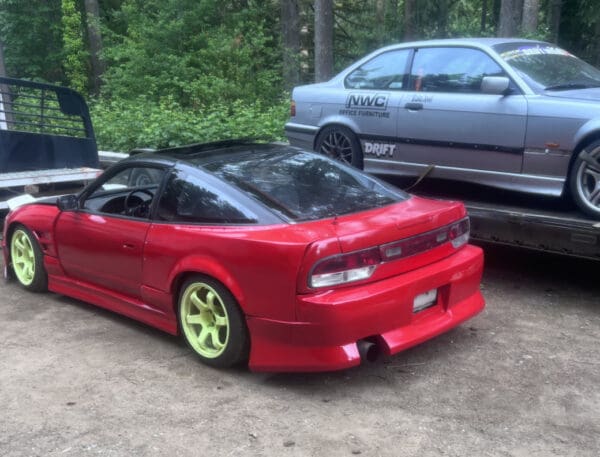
(495, 85)
(67, 202)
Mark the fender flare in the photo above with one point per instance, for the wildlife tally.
(204, 265)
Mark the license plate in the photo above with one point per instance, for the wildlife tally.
(425, 300)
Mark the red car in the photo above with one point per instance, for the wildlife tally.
(256, 253)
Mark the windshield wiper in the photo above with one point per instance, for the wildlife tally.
(568, 86)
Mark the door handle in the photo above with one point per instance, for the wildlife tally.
(412, 106)
(128, 245)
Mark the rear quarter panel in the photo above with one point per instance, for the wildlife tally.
(259, 265)
(321, 105)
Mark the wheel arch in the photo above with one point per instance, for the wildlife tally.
(587, 135)
(7, 254)
(337, 122)
(196, 265)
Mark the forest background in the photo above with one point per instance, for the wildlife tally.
(166, 72)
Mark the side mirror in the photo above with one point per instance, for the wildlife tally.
(67, 202)
(495, 85)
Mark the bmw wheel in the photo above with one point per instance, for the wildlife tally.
(212, 323)
(340, 143)
(27, 260)
(585, 180)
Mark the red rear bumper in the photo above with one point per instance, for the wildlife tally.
(330, 323)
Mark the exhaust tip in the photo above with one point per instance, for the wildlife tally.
(369, 352)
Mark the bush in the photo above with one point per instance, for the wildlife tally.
(122, 125)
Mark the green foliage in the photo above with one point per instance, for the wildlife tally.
(75, 55)
(32, 36)
(198, 52)
(122, 125)
(581, 29)
(359, 30)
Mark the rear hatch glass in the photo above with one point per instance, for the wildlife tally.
(302, 186)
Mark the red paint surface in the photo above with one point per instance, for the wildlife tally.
(135, 267)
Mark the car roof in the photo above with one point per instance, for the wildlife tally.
(479, 42)
(199, 153)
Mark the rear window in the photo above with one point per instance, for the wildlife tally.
(303, 186)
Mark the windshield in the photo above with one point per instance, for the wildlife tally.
(303, 186)
(547, 67)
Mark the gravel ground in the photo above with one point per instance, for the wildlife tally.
(521, 379)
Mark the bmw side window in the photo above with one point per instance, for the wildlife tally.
(129, 192)
(187, 199)
(451, 70)
(386, 71)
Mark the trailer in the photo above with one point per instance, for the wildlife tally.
(547, 224)
(47, 142)
(559, 233)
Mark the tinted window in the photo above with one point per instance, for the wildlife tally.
(304, 186)
(187, 199)
(451, 70)
(386, 71)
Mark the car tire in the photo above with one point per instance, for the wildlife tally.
(340, 143)
(212, 322)
(584, 180)
(27, 260)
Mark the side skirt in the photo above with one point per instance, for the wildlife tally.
(112, 301)
(533, 184)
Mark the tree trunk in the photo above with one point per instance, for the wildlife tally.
(518, 14)
(395, 19)
(380, 20)
(496, 7)
(531, 9)
(509, 16)
(290, 28)
(442, 18)
(409, 20)
(555, 13)
(483, 16)
(92, 20)
(2, 65)
(323, 40)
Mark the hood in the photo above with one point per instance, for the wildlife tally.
(592, 94)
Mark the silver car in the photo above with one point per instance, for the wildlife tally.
(509, 113)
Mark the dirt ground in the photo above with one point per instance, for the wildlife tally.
(521, 379)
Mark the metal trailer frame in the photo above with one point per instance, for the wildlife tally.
(46, 139)
(559, 233)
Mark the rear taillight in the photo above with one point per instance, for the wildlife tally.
(359, 265)
(293, 109)
(344, 268)
(457, 233)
